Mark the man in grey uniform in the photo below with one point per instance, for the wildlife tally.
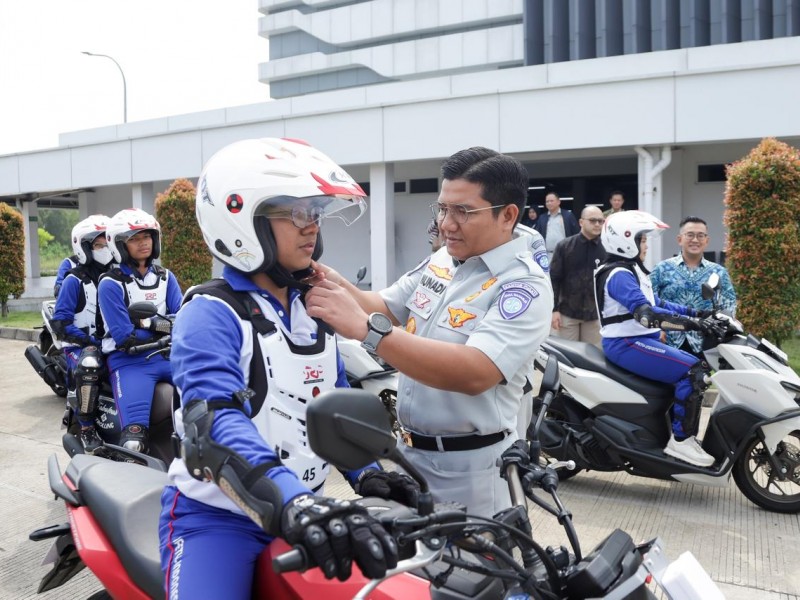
(462, 329)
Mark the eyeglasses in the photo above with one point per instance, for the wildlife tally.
(458, 212)
(300, 216)
(691, 235)
(595, 221)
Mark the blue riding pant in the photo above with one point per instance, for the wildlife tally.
(207, 552)
(648, 357)
(133, 381)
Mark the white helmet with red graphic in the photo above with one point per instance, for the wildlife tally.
(247, 181)
(622, 232)
(84, 233)
(127, 223)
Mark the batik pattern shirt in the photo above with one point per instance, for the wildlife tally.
(674, 281)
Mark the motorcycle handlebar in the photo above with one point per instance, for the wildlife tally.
(296, 559)
(158, 345)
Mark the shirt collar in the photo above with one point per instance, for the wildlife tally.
(498, 257)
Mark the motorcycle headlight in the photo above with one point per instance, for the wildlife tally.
(90, 362)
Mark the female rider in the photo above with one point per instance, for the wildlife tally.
(134, 238)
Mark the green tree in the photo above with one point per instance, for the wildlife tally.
(183, 250)
(12, 256)
(59, 223)
(762, 199)
(44, 238)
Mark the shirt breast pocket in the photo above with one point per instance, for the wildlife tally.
(459, 321)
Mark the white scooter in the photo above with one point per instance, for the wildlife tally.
(368, 371)
(608, 419)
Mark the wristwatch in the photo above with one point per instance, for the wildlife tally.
(378, 325)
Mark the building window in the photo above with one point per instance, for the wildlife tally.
(424, 186)
(710, 173)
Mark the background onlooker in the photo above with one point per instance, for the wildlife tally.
(556, 224)
(616, 200)
(530, 216)
(572, 274)
(679, 279)
(434, 236)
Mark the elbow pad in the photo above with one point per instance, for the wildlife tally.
(206, 460)
(646, 316)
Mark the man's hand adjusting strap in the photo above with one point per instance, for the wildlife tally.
(245, 484)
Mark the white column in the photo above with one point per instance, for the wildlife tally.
(30, 216)
(142, 196)
(87, 204)
(381, 220)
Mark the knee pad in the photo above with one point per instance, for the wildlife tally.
(135, 437)
(87, 380)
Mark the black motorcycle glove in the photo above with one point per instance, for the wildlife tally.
(334, 532)
(389, 485)
(704, 314)
(156, 324)
(712, 327)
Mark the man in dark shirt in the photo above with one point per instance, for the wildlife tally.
(571, 271)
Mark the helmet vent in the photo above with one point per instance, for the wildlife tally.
(222, 248)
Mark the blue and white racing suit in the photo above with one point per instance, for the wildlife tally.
(134, 378)
(209, 548)
(637, 348)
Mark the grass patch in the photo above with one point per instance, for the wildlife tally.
(22, 320)
(792, 348)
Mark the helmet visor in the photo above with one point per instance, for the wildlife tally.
(304, 212)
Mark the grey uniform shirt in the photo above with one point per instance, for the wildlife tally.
(500, 303)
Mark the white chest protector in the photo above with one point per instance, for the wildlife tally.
(298, 369)
(151, 288)
(86, 318)
(612, 308)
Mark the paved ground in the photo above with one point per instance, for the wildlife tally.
(751, 553)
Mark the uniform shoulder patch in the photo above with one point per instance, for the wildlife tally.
(515, 298)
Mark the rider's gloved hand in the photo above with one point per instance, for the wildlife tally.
(711, 326)
(334, 532)
(389, 485)
(704, 314)
(156, 324)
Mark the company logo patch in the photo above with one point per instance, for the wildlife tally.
(411, 325)
(150, 296)
(441, 272)
(234, 203)
(515, 299)
(542, 260)
(312, 374)
(458, 316)
(420, 300)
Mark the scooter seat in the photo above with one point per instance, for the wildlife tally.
(588, 356)
(125, 500)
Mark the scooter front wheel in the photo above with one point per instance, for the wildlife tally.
(758, 480)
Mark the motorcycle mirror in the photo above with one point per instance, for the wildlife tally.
(709, 288)
(349, 428)
(362, 272)
(142, 310)
(550, 379)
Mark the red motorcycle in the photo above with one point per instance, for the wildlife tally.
(113, 511)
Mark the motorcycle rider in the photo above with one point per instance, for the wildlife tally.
(69, 263)
(632, 317)
(77, 323)
(134, 238)
(247, 358)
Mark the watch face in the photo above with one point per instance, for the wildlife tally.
(380, 323)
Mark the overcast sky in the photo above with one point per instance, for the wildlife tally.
(179, 56)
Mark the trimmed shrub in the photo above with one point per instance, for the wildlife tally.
(762, 199)
(12, 256)
(183, 250)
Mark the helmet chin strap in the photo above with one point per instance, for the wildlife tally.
(282, 277)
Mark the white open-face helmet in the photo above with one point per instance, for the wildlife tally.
(247, 181)
(622, 232)
(126, 223)
(84, 233)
